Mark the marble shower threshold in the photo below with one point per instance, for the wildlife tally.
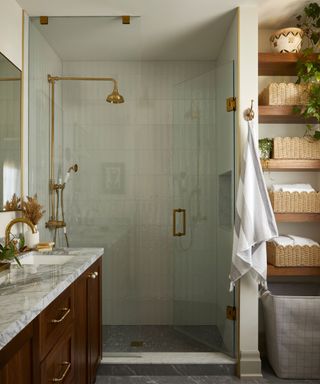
(166, 364)
(166, 358)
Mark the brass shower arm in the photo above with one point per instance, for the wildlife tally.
(10, 78)
(52, 79)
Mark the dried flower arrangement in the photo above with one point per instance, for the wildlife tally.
(14, 204)
(32, 210)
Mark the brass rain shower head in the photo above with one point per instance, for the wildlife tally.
(115, 97)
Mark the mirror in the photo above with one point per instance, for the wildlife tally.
(10, 137)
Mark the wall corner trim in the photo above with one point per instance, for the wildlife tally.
(250, 364)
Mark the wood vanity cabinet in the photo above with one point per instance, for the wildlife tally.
(16, 362)
(88, 324)
(63, 343)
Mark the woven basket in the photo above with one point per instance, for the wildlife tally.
(296, 148)
(284, 94)
(293, 256)
(295, 202)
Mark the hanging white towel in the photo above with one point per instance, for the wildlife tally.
(254, 218)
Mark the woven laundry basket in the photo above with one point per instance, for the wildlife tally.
(295, 202)
(293, 256)
(284, 94)
(292, 330)
(296, 148)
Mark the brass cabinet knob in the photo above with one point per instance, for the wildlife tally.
(93, 275)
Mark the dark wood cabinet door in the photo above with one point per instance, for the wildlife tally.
(16, 360)
(94, 319)
(59, 364)
(81, 325)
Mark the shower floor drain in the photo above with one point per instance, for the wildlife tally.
(136, 343)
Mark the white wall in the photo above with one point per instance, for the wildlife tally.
(11, 31)
(248, 89)
(241, 45)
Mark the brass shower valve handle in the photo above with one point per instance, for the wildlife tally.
(55, 186)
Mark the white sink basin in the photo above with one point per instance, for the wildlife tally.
(40, 259)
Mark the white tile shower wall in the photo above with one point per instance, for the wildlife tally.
(129, 179)
(43, 61)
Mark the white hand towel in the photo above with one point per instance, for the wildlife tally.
(254, 218)
(292, 240)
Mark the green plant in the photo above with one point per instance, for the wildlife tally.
(265, 148)
(308, 67)
(309, 22)
(308, 71)
(8, 252)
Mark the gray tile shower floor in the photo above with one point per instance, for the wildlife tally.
(161, 338)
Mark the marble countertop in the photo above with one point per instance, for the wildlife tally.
(25, 292)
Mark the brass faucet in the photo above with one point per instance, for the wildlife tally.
(15, 221)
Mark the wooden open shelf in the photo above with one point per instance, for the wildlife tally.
(281, 114)
(297, 217)
(293, 271)
(278, 64)
(290, 165)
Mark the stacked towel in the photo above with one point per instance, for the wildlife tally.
(292, 188)
(286, 240)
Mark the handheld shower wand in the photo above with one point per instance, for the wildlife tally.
(73, 168)
(55, 223)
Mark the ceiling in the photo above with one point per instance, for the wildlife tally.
(163, 30)
(274, 14)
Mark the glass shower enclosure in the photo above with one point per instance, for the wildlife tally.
(155, 186)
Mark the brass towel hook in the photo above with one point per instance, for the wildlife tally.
(249, 113)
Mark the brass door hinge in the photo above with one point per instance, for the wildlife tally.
(231, 104)
(44, 20)
(231, 313)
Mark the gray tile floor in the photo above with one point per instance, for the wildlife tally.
(161, 338)
(268, 378)
(194, 380)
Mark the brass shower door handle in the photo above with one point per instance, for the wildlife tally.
(183, 211)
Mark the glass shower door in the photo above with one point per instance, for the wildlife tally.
(225, 158)
(203, 169)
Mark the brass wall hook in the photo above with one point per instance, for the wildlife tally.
(249, 113)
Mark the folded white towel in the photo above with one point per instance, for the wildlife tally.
(292, 240)
(292, 188)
